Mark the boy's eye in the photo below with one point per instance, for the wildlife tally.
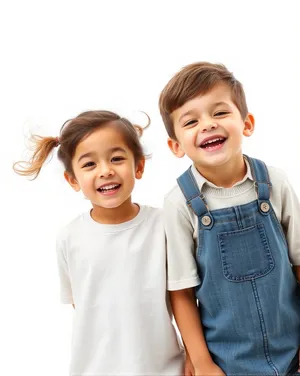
(88, 164)
(221, 113)
(117, 159)
(190, 122)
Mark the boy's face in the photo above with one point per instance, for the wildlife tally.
(209, 129)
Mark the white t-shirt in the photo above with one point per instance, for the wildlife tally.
(181, 223)
(116, 277)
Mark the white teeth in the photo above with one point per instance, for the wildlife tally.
(108, 187)
(213, 140)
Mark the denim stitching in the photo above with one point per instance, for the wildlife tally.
(263, 328)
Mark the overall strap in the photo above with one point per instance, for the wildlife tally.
(262, 181)
(194, 198)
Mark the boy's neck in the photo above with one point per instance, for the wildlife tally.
(121, 214)
(226, 175)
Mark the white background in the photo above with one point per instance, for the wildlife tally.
(61, 58)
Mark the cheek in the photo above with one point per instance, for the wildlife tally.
(84, 179)
(130, 174)
(229, 125)
(189, 137)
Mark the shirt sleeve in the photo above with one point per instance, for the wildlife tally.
(66, 296)
(290, 220)
(181, 263)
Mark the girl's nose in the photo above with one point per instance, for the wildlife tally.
(106, 171)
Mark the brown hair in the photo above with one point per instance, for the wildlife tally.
(195, 79)
(72, 133)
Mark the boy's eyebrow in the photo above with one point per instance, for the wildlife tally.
(219, 103)
(111, 150)
(213, 105)
(185, 114)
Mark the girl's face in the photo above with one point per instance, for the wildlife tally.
(105, 169)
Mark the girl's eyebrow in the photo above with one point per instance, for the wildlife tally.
(86, 155)
(111, 150)
(117, 148)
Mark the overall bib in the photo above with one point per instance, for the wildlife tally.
(248, 296)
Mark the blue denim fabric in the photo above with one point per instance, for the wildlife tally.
(248, 297)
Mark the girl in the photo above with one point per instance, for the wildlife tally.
(111, 259)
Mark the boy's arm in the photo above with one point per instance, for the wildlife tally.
(188, 321)
(297, 272)
(188, 366)
(181, 248)
(182, 277)
(187, 317)
(290, 220)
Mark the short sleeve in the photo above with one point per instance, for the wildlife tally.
(66, 296)
(290, 220)
(181, 263)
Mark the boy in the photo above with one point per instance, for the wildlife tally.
(232, 233)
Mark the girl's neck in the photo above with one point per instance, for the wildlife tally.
(226, 175)
(123, 213)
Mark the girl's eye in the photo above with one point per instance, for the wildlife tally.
(191, 122)
(117, 159)
(221, 113)
(88, 164)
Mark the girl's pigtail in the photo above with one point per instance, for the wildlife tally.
(42, 147)
(140, 130)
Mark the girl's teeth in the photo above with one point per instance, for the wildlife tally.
(108, 187)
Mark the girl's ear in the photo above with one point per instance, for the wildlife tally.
(249, 125)
(139, 169)
(72, 181)
(175, 148)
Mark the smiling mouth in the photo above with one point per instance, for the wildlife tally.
(109, 188)
(213, 142)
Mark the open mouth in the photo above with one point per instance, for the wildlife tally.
(213, 143)
(110, 188)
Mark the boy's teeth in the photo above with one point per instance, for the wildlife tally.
(214, 140)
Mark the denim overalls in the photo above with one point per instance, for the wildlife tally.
(248, 296)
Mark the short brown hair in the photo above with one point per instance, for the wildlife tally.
(72, 133)
(195, 79)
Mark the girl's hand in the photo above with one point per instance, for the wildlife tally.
(210, 369)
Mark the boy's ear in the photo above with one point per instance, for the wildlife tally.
(72, 181)
(175, 148)
(249, 125)
(139, 169)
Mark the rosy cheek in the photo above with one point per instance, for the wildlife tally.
(190, 135)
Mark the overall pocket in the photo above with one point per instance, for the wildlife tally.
(245, 253)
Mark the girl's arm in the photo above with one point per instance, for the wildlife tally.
(187, 318)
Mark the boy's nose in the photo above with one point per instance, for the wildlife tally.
(209, 127)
